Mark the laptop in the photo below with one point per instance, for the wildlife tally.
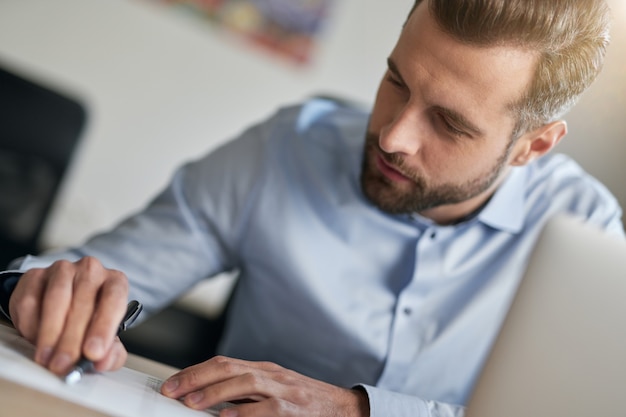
(561, 351)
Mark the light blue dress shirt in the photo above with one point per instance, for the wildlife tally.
(329, 285)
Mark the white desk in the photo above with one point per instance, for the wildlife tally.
(18, 400)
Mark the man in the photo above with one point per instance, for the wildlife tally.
(373, 277)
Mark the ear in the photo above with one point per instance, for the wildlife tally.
(538, 142)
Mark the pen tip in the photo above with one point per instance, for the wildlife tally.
(73, 377)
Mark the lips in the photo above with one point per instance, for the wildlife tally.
(389, 171)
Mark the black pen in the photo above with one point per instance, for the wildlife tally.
(84, 365)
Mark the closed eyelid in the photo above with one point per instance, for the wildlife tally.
(459, 121)
(393, 69)
(450, 127)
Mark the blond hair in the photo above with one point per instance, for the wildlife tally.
(570, 36)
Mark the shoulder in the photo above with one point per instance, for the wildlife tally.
(316, 133)
(320, 135)
(327, 120)
(559, 174)
(318, 120)
(556, 182)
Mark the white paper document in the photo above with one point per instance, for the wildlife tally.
(122, 393)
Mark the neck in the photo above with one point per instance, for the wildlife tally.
(456, 213)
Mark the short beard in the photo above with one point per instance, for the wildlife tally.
(418, 195)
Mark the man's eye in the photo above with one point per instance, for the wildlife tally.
(395, 81)
(450, 127)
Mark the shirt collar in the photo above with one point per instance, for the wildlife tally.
(505, 210)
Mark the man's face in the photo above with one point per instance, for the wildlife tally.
(439, 137)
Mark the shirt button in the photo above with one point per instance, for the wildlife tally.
(407, 311)
(433, 235)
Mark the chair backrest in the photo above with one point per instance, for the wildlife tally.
(39, 130)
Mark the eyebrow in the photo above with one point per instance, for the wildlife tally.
(457, 118)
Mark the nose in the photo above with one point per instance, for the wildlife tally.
(401, 135)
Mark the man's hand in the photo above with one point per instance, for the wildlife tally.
(262, 389)
(69, 309)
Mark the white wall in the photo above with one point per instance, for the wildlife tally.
(162, 87)
(597, 125)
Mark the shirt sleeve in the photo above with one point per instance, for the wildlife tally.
(188, 232)
(8, 281)
(385, 403)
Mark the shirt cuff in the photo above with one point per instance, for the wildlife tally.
(8, 281)
(384, 403)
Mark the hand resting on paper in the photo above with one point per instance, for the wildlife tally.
(69, 309)
(270, 391)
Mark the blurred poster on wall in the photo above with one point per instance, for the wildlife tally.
(288, 28)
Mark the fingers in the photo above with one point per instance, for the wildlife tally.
(331, 401)
(107, 316)
(71, 309)
(272, 407)
(55, 339)
(246, 388)
(274, 391)
(225, 379)
(25, 303)
(114, 359)
(210, 372)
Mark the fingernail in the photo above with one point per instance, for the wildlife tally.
(229, 412)
(60, 362)
(171, 385)
(43, 356)
(195, 397)
(95, 347)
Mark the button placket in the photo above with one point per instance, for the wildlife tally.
(407, 333)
